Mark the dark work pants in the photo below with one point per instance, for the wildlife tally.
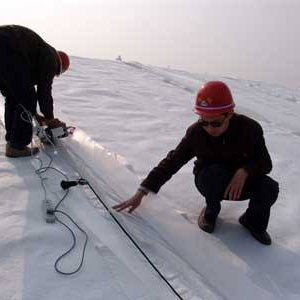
(19, 93)
(212, 181)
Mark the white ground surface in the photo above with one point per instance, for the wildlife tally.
(128, 116)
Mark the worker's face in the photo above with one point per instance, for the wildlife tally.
(215, 125)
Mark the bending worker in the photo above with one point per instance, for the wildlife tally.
(232, 163)
(27, 68)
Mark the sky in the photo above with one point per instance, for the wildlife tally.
(250, 39)
(127, 117)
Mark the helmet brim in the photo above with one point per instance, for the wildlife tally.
(211, 112)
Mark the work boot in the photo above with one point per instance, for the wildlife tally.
(205, 222)
(263, 237)
(25, 151)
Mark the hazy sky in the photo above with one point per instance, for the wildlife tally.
(252, 39)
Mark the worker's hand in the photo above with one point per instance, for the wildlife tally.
(132, 202)
(40, 119)
(235, 187)
(53, 123)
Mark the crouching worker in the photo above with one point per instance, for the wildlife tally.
(232, 163)
(27, 68)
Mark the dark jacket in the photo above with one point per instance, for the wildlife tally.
(242, 145)
(35, 58)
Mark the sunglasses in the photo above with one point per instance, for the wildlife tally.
(213, 124)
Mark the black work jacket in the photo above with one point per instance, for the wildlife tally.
(242, 145)
(39, 62)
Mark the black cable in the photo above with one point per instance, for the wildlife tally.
(27, 117)
(73, 245)
(40, 171)
(134, 243)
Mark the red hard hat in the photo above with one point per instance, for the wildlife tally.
(213, 98)
(64, 61)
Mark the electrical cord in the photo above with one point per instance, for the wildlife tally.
(135, 244)
(40, 171)
(26, 116)
(73, 245)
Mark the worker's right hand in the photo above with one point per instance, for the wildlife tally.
(132, 203)
(235, 186)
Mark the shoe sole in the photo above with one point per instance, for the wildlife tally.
(21, 155)
(254, 234)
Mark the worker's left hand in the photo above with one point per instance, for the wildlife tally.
(40, 119)
(53, 123)
(132, 203)
(235, 187)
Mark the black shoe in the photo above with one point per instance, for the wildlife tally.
(263, 237)
(206, 223)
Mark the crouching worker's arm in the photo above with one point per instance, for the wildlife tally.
(133, 202)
